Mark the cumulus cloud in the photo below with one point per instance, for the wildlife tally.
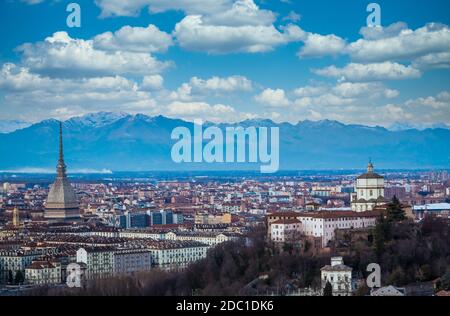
(370, 72)
(381, 50)
(26, 93)
(376, 33)
(193, 34)
(345, 101)
(227, 84)
(292, 16)
(242, 12)
(435, 60)
(204, 111)
(134, 39)
(196, 87)
(61, 55)
(153, 82)
(401, 43)
(32, 2)
(273, 98)
(316, 45)
(134, 7)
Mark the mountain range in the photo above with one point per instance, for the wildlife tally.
(124, 142)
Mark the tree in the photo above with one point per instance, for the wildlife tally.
(395, 212)
(328, 290)
(20, 278)
(10, 277)
(382, 234)
(445, 281)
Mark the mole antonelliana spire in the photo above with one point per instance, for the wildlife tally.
(62, 204)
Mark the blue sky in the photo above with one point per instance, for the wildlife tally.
(228, 60)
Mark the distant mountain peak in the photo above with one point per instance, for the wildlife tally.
(9, 126)
(121, 142)
(98, 119)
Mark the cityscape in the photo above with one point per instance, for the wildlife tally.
(66, 237)
(231, 148)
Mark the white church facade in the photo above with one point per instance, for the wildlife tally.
(369, 191)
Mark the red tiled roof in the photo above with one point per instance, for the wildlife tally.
(339, 214)
(287, 221)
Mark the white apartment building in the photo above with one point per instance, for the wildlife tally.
(99, 261)
(142, 234)
(232, 208)
(339, 276)
(323, 224)
(102, 262)
(19, 260)
(176, 254)
(284, 230)
(132, 260)
(43, 273)
(209, 238)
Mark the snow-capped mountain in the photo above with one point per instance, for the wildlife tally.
(123, 142)
(8, 126)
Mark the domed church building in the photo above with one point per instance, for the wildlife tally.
(369, 191)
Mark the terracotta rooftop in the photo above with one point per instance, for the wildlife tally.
(339, 214)
(287, 221)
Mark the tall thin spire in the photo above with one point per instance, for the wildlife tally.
(61, 168)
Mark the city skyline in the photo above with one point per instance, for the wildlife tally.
(281, 60)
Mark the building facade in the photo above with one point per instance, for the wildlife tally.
(285, 230)
(339, 276)
(43, 273)
(172, 255)
(369, 191)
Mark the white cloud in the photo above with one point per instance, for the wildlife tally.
(37, 97)
(435, 60)
(205, 111)
(242, 12)
(197, 87)
(17, 79)
(134, 39)
(227, 84)
(153, 82)
(292, 16)
(317, 45)
(376, 33)
(347, 102)
(309, 91)
(363, 90)
(273, 98)
(61, 55)
(134, 7)
(406, 45)
(370, 72)
(193, 34)
(425, 47)
(32, 2)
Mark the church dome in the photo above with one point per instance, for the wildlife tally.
(370, 174)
